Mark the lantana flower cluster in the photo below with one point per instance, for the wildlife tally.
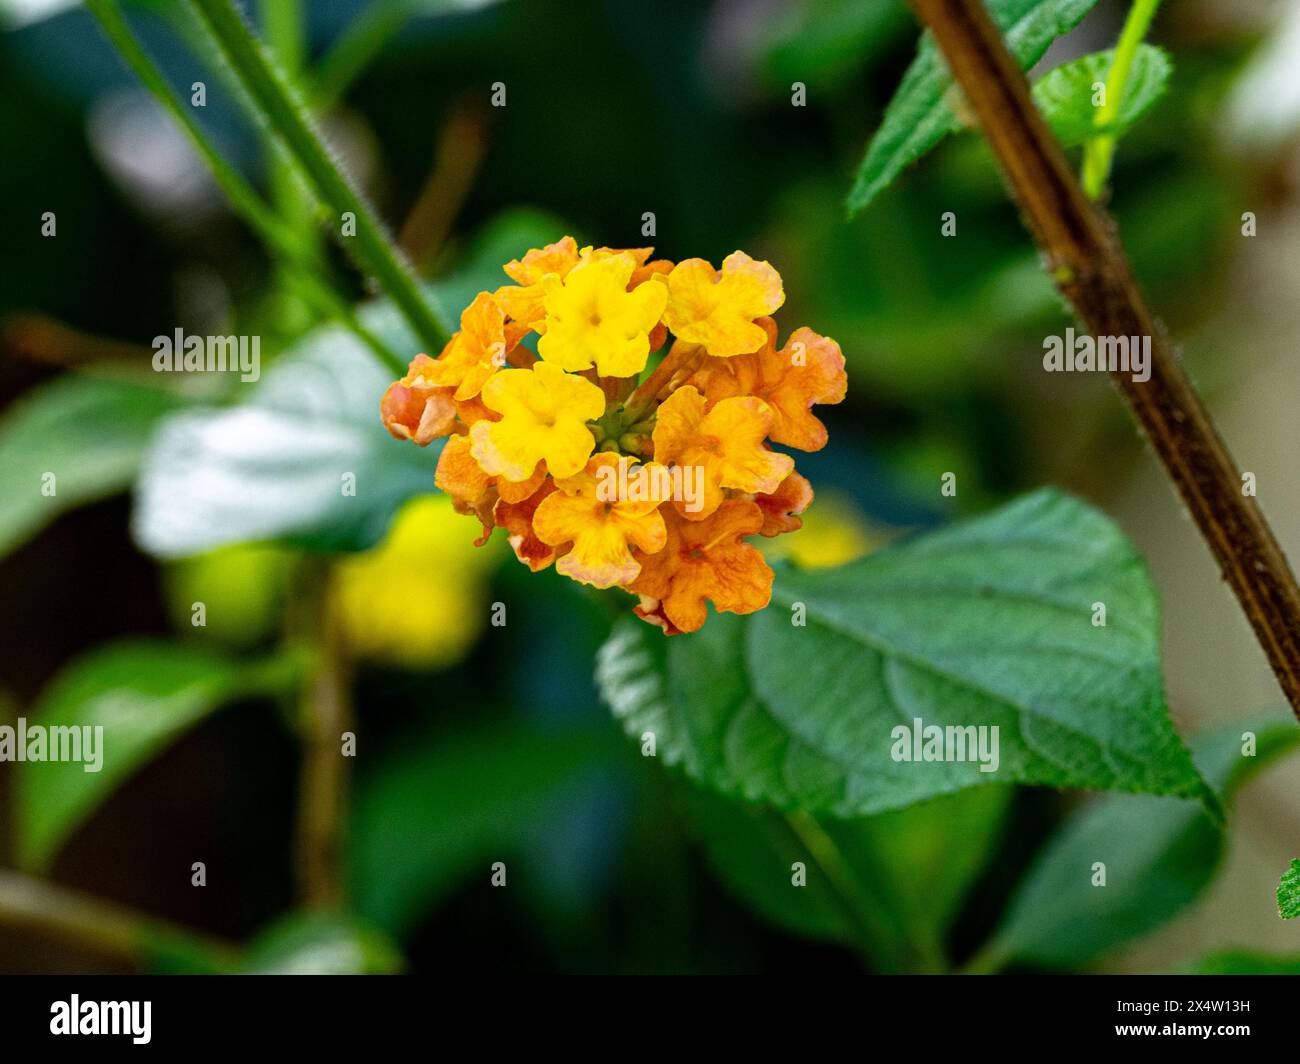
(656, 482)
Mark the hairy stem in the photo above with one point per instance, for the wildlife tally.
(1091, 269)
(285, 31)
(245, 201)
(279, 108)
(1099, 150)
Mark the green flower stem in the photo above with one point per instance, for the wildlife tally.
(885, 946)
(1100, 150)
(325, 702)
(278, 107)
(283, 25)
(243, 198)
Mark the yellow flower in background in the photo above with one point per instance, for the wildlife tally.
(592, 319)
(418, 599)
(544, 414)
(717, 308)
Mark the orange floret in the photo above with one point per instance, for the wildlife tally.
(726, 443)
(704, 561)
(588, 511)
(717, 308)
(808, 370)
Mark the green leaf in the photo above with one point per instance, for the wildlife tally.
(1238, 962)
(304, 459)
(985, 624)
(89, 431)
(143, 695)
(920, 115)
(1159, 854)
(435, 811)
(1288, 892)
(1065, 94)
(322, 944)
(901, 875)
(274, 466)
(826, 43)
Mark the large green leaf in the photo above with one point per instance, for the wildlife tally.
(1065, 95)
(1159, 854)
(283, 464)
(144, 695)
(88, 430)
(985, 624)
(892, 882)
(920, 115)
(436, 811)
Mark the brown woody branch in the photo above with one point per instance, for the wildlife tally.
(1089, 266)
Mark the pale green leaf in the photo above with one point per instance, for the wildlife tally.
(322, 944)
(304, 459)
(1065, 95)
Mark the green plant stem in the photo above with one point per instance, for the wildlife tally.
(284, 27)
(245, 201)
(35, 905)
(326, 713)
(279, 108)
(882, 944)
(1100, 150)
